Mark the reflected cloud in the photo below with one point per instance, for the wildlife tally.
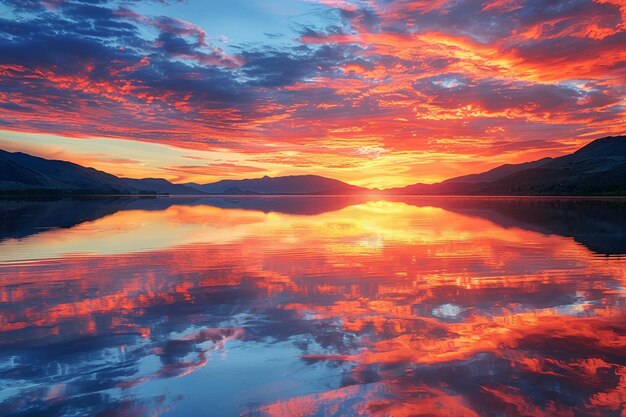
(445, 307)
(598, 224)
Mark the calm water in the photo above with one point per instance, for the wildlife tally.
(313, 307)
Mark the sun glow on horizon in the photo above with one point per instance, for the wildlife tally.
(374, 93)
(143, 159)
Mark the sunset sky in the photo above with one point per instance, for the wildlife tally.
(377, 93)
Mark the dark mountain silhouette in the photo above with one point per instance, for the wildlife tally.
(238, 191)
(159, 186)
(22, 174)
(497, 173)
(294, 185)
(598, 168)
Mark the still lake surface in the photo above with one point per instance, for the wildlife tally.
(320, 306)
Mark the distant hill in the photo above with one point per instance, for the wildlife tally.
(20, 172)
(291, 185)
(159, 186)
(497, 173)
(598, 168)
(23, 174)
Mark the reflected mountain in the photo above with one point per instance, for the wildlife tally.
(379, 308)
(23, 218)
(598, 224)
(294, 205)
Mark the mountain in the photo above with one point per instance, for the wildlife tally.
(294, 185)
(25, 174)
(159, 186)
(20, 172)
(599, 168)
(498, 172)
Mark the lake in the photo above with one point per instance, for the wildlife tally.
(313, 306)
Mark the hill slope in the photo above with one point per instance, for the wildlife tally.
(498, 172)
(22, 172)
(160, 186)
(599, 168)
(294, 185)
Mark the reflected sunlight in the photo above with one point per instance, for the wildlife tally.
(374, 308)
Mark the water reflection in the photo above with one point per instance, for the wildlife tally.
(272, 307)
(599, 224)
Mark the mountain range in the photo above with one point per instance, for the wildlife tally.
(293, 184)
(23, 174)
(599, 168)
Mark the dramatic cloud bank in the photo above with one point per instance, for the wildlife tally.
(376, 92)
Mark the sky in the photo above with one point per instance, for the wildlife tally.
(377, 93)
